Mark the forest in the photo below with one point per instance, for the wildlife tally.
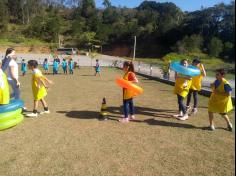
(160, 28)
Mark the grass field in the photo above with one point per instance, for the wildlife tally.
(71, 141)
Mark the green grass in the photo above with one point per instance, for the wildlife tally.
(71, 141)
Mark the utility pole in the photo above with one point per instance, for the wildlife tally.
(59, 41)
(134, 48)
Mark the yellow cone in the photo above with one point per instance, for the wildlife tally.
(103, 112)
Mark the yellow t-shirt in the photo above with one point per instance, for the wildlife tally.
(197, 82)
(220, 103)
(182, 86)
(4, 89)
(39, 91)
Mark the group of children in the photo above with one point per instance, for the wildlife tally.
(185, 86)
(66, 65)
(56, 64)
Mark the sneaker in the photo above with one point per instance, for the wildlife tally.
(230, 127)
(24, 109)
(212, 127)
(132, 117)
(194, 111)
(32, 115)
(185, 117)
(178, 115)
(45, 112)
(124, 120)
(188, 108)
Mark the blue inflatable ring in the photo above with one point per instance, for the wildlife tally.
(12, 106)
(188, 71)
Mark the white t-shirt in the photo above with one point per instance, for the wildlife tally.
(1, 79)
(13, 64)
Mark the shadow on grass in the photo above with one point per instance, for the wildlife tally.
(89, 75)
(84, 115)
(114, 111)
(80, 114)
(165, 123)
(164, 113)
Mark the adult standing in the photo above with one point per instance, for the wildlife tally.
(6, 59)
(11, 67)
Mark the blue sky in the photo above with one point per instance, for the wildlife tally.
(185, 5)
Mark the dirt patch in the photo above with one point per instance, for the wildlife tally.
(27, 49)
(121, 51)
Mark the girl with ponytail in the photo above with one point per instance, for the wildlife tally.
(128, 105)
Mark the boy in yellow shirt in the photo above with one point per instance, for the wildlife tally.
(196, 86)
(39, 87)
(4, 88)
(220, 100)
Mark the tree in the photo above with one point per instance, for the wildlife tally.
(189, 44)
(215, 47)
(3, 15)
(107, 3)
(87, 8)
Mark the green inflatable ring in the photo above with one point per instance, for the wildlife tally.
(11, 123)
(7, 116)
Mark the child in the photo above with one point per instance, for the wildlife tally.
(195, 86)
(23, 67)
(128, 95)
(55, 66)
(45, 66)
(220, 100)
(64, 66)
(39, 87)
(4, 88)
(182, 85)
(71, 66)
(97, 68)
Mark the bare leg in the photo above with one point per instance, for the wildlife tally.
(36, 104)
(226, 117)
(211, 118)
(44, 103)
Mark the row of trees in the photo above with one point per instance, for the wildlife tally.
(159, 27)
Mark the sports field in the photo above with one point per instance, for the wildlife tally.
(71, 141)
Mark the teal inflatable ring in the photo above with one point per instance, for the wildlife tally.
(188, 71)
(11, 123)
(7, 116)
(12, 106)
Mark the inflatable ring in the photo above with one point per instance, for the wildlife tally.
(11, 123)
(188, 71)
(129, 85)
(12, 106)
(7, 116)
